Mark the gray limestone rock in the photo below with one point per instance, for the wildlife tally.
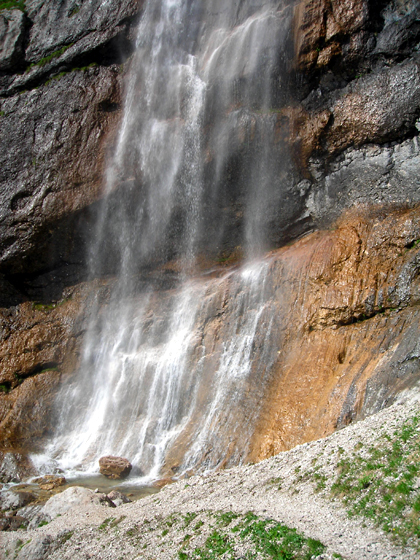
(72, 497)
(14, 500)
(62, 23)
(12, 29)
(51, 162)
(371, 174)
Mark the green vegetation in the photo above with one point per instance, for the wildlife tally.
(413, 245)
(75, 10)
(45, 307)
(382, 483)
(4, 387)
(105, 523)
(43, 523)
(228, 535)
(65, 72)
(20, 544)
(63, 538)
(188, 518)
(265, 537)
(12, 4)
(50, 57)
(111, 522)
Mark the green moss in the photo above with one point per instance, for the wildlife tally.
(46, 307)
(75, 10)
(4, 388)
(65, 72)
(12, 4)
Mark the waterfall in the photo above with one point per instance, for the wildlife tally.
(175, 365)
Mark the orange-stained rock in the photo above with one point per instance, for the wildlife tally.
(50, 482)
(351, 346)
(38, 344)
(114, 467)
(318, 24)
(346, 325)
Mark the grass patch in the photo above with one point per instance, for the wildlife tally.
(64, 538)
(262, 538)
(105, 523)
(382, 484)
(189, 517)
(113, 522)
(274, 540)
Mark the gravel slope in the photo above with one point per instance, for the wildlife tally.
(164, 525)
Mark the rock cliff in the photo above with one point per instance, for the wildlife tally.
(347, 293)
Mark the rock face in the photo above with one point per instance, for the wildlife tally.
(12, 29)
(114, 467)
(348, 295)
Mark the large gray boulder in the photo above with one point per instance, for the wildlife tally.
(76, 496)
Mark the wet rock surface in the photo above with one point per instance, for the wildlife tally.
(49, 482)
(352, 129)
(114, 467)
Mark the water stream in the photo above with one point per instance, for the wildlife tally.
(175, 366)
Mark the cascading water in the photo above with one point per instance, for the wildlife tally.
(175, 365)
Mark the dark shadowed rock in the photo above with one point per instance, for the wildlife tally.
(114, 467)
(37, 190)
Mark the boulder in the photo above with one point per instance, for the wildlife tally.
(118, 498)
(49, 482)
(72, 497)
(13, 466)
(15, 500)
(114, 467)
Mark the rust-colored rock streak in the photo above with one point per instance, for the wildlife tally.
(350, 340)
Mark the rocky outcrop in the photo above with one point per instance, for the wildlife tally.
(41, 200)
(40, 344)
(12, 32)
(60, 95)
